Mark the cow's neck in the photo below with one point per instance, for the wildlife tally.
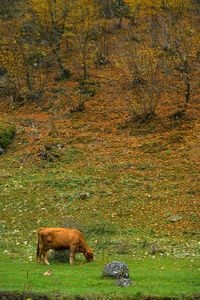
(83, 247)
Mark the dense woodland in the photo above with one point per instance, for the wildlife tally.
(152, 44)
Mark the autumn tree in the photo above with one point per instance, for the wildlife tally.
(15, 58)
(120, 12)
(102, 42)
(152, 12)
(9, 8)
(182, 61)
(178, 7)
(106, 8)
(113, 9)
(83, 18)
(141, 63)
(49, 19)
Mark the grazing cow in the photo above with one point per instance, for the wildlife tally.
(61, 239)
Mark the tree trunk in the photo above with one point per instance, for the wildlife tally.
(56, 50)
(108, 10)
(187, 94)
(120, 14)
(187, 83)
(84, 66)
(29, 81)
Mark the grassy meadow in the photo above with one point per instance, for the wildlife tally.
(152, 276)
(135, 202)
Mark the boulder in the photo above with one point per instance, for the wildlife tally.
(124, 282)
(116, 269)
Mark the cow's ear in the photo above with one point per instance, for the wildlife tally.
(90, 251)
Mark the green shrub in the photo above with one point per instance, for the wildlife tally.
(7, 132)
(85, 88)
(99, 228)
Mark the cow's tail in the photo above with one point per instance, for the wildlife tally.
(38, 248)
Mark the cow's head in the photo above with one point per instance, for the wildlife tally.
(89, 255)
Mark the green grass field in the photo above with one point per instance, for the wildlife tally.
(155, 276)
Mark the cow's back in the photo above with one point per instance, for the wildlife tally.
(60, 238)
(65, 236)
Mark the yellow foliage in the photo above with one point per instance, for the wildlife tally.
(83, 14)
(156, 5)
(11, 50)
(177, 4)
(44, 9)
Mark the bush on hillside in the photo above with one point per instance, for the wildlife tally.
(7, 132)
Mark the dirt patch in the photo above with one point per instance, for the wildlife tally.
(31, 296)
(18, 296)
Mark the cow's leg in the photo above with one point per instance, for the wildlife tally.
(39, 257)
(45, 257)
(71, 257)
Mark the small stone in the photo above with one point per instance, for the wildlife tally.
(84, 195)
(124, 282)
(174, 218)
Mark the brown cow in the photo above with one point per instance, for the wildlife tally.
(61, 239)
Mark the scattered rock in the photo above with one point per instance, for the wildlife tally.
(124, 282)
(1, 151)
(72, 224)
(3, 71)
(49, 152)
(178, 115)
(84, 195)
(116, 269)
(154, 248)
(174, 218)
